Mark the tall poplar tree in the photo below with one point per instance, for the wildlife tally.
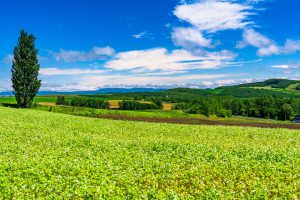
(25, 70)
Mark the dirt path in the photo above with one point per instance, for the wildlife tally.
(201, 122)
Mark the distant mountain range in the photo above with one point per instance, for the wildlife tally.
(273, 87)
(100, 91)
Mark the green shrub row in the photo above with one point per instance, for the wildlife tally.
(83, 102)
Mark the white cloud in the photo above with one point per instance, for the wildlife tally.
(291, 46)
(226, 82)
(290, 71)
(253, 38)
(92, 82)
(140, 35)
(56, 71)
(100, 81)
(269, 50)
(163, 60)
(280, 66)
(215, 15)
(266, 46)
(189, 38)
(97, 53)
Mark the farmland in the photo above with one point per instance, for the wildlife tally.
(171, 116)
(48, 155)
(164, 114)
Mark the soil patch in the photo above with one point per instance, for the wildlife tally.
(200, 122)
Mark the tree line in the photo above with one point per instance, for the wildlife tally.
(101, 104)
(261, 107)
(83, 102)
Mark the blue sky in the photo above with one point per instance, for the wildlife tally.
(85, 45)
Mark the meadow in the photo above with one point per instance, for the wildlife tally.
(49, 155)
(38, 99)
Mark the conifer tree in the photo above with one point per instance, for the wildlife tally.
(25, 70)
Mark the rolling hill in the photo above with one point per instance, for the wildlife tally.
(272, 87)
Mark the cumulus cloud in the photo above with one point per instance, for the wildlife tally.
(266, 46)
(57, 71)
(190, 38)
(163, 60)
(215, 15)
(97, 53)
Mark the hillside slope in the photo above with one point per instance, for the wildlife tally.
(48, 155)
(281, 88)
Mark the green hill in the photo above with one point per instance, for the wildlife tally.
(273, 87)
(271, 83)
(46, 155)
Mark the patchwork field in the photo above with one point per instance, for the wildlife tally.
(49, 155)
(169, 116)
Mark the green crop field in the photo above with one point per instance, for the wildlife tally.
(12, 99)
(51, 155)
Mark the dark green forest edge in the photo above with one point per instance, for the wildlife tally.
(271, 99)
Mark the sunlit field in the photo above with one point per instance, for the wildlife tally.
(49, 155)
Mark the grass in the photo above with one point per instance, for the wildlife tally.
(289, 90)
(292, 87)
(48, 155)
(38, 99)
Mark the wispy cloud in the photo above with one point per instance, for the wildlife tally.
(57, 71)
(280, 66)
(97, 53)
(141, 35)
(288, 69)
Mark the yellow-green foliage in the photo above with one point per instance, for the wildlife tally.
(57, 156)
